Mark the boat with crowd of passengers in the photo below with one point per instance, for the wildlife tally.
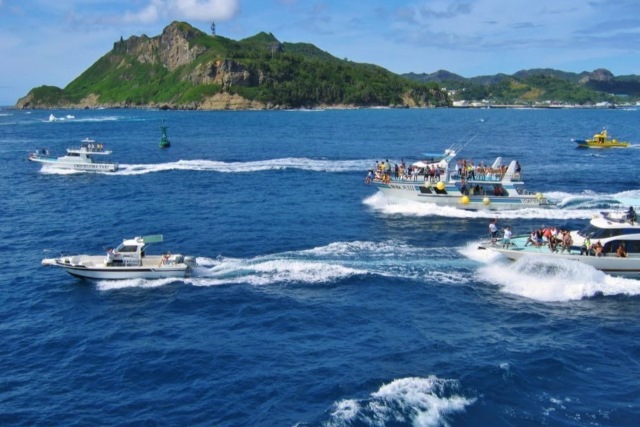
(79, 158)
(445, 181)
(127, 261)
(610, 242)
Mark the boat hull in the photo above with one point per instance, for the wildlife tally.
(85, 167)
(585, 144)
(93, 267)
(412, 191)
(610, 264)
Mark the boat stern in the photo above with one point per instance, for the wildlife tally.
(190, 261)
(178, 259)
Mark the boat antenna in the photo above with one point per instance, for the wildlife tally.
(470, 139)
(458, 150)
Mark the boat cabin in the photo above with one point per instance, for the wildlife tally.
(614, 229)
(129, 253)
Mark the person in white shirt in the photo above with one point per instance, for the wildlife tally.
(493, 230)
(506, 241)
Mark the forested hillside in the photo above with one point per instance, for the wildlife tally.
(539, 85)
(189, 69)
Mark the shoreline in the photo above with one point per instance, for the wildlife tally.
(336, 107)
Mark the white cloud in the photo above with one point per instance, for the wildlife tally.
(147, 15)
(205, 10)
(193, 10)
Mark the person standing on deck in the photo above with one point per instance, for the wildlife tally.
(493, 230)
(506, 242)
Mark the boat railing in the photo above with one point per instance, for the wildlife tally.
(442, 177)
(406, 178)
(97, 148)
(479, 176)
(490, 174)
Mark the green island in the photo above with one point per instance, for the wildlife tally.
(538, 88)
(185, 68)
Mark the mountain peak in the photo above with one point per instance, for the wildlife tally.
(184, 29)
(261, 37)
(601, 75)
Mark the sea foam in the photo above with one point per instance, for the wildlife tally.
(325, 264)
(547, 279)
(576, 206)
(421, 401)
(302, 163)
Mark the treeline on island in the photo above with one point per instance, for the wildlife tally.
(186, 68)
(528, 87)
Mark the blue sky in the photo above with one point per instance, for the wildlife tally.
(44, 42)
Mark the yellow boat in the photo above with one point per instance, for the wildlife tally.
(601, 140)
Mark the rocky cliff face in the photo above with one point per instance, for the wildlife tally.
(225, 72)
(173, 49)
(600, 75)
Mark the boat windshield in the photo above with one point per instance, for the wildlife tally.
(594, 232)
(127, 248)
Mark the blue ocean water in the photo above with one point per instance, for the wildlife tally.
(317, 302)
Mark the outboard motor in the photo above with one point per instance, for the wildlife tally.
(190, 261)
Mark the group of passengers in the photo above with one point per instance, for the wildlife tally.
(467, 170)
(477, 190)
(382, 172)
(493, 233)
(556, 239)
(597, 249)
(552, 237)
(93, 147)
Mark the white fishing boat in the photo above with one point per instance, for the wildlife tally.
(127, 261)
(79, 158)
(445, 181)
(610, 242)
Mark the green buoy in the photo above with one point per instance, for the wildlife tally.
(164, 141)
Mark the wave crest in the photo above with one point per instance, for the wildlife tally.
(421, 401)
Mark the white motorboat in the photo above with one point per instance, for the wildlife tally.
(80, 159)
(128, 261)
(462, 184)
(610, 242)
